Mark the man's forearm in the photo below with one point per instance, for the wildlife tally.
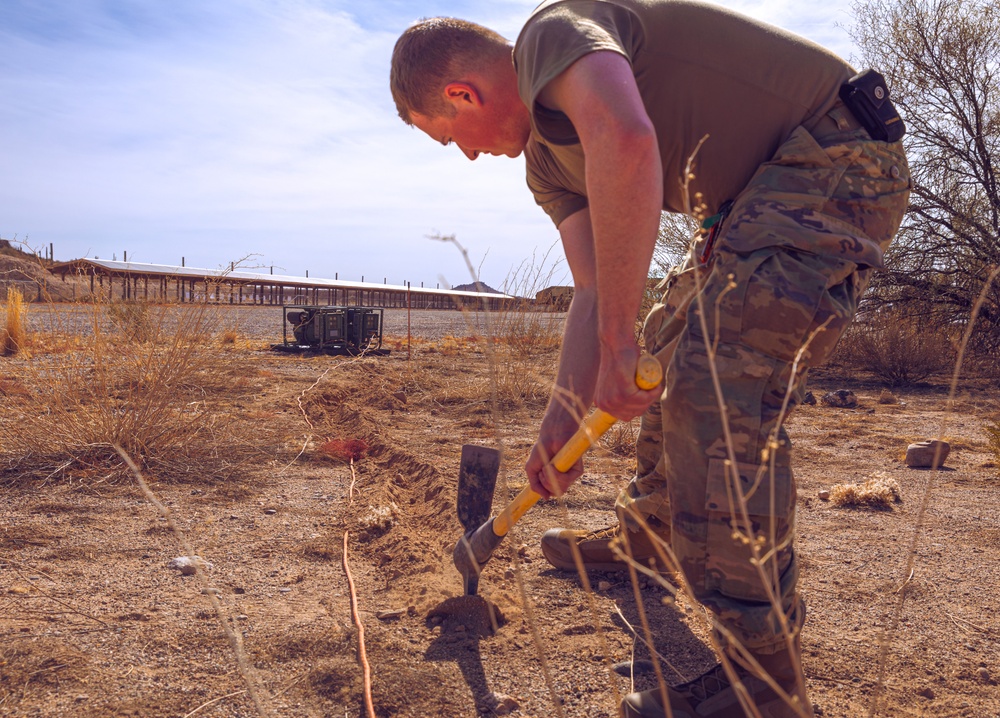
(577, 373)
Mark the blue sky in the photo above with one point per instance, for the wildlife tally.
(216, 130)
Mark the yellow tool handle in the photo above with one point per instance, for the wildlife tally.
(648, 374)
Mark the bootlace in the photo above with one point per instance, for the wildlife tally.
(708, 684)
(600, 534)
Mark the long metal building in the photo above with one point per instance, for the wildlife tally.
(168, 283)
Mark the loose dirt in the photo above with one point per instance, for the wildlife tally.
(95, 622)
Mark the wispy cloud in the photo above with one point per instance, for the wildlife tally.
(211, 130)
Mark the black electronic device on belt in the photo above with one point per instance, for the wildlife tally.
(867, 96)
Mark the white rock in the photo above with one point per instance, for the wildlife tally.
(186, 564)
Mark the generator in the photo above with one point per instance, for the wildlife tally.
(332, 330)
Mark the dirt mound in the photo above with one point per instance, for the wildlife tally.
(30, 276)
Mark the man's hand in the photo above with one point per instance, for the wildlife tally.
(542, 475)
(616, 390)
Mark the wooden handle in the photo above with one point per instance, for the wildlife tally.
(648, 374)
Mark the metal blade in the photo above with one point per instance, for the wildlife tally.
(477, 480)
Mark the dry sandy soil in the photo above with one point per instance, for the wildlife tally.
(95, 622)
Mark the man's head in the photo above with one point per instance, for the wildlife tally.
(455, 81)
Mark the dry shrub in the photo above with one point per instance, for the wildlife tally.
(620, 438)
(898, 349)
(878, 492)
(162, 400)
(516, 383)
(131, 319)
(15, 334)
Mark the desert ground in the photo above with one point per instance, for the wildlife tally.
(297, 457)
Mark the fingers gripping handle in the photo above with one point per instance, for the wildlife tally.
(648, 374)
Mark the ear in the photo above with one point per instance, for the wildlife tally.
(463, 94)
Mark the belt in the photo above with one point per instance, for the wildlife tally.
(837, 121)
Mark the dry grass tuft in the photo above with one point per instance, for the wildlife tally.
(992, 429)
(132, 320)
(620, 438)
(879, 492)
(149, 384)
(15, 335)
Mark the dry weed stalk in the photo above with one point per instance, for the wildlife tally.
(529, 610)
(890, 632)
(258, 694)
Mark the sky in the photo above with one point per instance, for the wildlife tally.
(263, 131)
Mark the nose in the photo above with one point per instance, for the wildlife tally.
(471, 154)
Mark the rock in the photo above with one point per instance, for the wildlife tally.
(921, 454)
(400, 396)
(603, 585)
(389, 615)
(638, 667)
(270, 511)
(502, 704)
(824, 495)
(984, 676)
(887, 397)
(186, 564)
(927, 693)
(809, 398)
(841, 399)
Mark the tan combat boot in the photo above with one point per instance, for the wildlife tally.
(596, 547)
(711, 694)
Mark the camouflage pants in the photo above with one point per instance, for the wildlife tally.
(791, 261)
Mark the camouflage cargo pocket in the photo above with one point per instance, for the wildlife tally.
(729, 568)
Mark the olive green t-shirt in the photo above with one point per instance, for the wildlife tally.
(700, 69)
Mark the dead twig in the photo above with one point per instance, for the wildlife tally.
(906, 582)
(362, 654)
(206, 704)
(959, 621)
(243, 665)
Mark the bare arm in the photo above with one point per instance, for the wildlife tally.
(625, 191)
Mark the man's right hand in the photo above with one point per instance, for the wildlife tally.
(542, 475)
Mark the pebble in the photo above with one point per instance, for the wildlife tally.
(213, 591)
(270, 511)
(842, 398)
(824, 495)
(284, 590)
(502, 704)
(603, 585)
(187, 564)
(637, 667)
(984, 675)
(389, 615)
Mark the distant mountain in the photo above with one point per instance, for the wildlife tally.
(480, 287)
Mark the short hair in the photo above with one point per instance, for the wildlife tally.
(433, 52)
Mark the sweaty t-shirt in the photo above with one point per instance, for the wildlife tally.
(700, 69)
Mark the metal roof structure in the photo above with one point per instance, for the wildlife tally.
(265, 288)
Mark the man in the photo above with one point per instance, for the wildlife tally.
(609, 100)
